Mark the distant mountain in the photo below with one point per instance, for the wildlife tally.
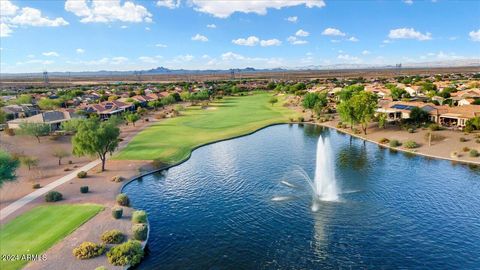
(164, 70)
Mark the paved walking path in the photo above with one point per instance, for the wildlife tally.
(6, 211)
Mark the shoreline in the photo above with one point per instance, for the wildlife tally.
(467, 162)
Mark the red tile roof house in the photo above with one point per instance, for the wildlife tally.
(108, 108)
(455, 117)
(52, 118)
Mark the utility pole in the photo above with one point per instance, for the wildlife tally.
(45, 77)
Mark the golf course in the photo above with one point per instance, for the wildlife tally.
(35, 231)
(171, 140)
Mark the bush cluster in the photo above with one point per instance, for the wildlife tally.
(128, 253)
(394, 143)
(88, 250)
(117, 212)
(84, 189)
(139, 216)
(113, 237)
(384, 140)
(473, 153)
(53, 196)
(82, 174)
(122, 199)
(36, 186)
(410, 144)
(463, 139)
(117, 179)
(140, 231)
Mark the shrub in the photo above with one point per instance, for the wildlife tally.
(463, 139)
(66, 169)
(128, 253)
(159, 115)
(117, 212)
(70, 162)
(84, 189)
(473, 153)
(411, 130)
(36, 186)
(113, 237)
(434, 127)
(384, 140)
(454, 154)
(291, 119)
(117, 179)
(410, 144)
(122, 199)
(301, 119)
(356, 131)
(10, 131)
(477, 140)
(139, 217)
(53, 196)
(394, 143)
(339, 125)
(466, 149)
(88, 250)
(82, 174)
(140, 231)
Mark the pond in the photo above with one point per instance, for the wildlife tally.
(241, 204)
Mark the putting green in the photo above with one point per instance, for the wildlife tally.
(172, 140)
(35, 231)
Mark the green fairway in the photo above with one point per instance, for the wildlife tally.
(35, 231)
(172, 140)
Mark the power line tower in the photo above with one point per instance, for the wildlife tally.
(45, 77)
(232, 74)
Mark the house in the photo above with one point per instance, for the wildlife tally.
(20, 111)
(466, 101)
(398, 110)
(469, 93)
(108, 108)
(458, 116)
(52, 118)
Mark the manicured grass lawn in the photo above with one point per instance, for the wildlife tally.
(171, 140)
(35, 231)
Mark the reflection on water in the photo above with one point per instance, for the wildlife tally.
(240, 204)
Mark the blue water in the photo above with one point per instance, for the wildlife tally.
(226, 208)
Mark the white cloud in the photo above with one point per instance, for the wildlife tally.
(333, 32)
(353, 39)
(270, 42)
(232, 56)
(5, 30)
(148, 59)
(160, 45)
(211, 26)
(183, 58)
(33, 17)
(349, 58)
(50, 54)
(124, 27)
(408, 33)
(292, 19)
(296, 41)
(80, 51)
(386, 41)
(7, 8)
(302, 33)
(250, 41)
(475, 35)
(105, 11)
(199, 37)
(119, 60)
(147, 29)
(171, 4)
(225, 8)
(408, 2)
(365, 52)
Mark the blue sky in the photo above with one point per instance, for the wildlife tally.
(80, 35)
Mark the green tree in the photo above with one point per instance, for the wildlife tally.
(132, 118)
(273, 100)
(3, 117)
(347, 113)
(70, 125)
(347, 92)
(49, 104)
(418, 115)
(96, 138)
(309, 100)
(398, 93)
(382, 120)
(168, 100)
(60, 153)
(8, 166)
(34, 129)
(364, 105)
(23, 99)
(154, 104)
(28, 161)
